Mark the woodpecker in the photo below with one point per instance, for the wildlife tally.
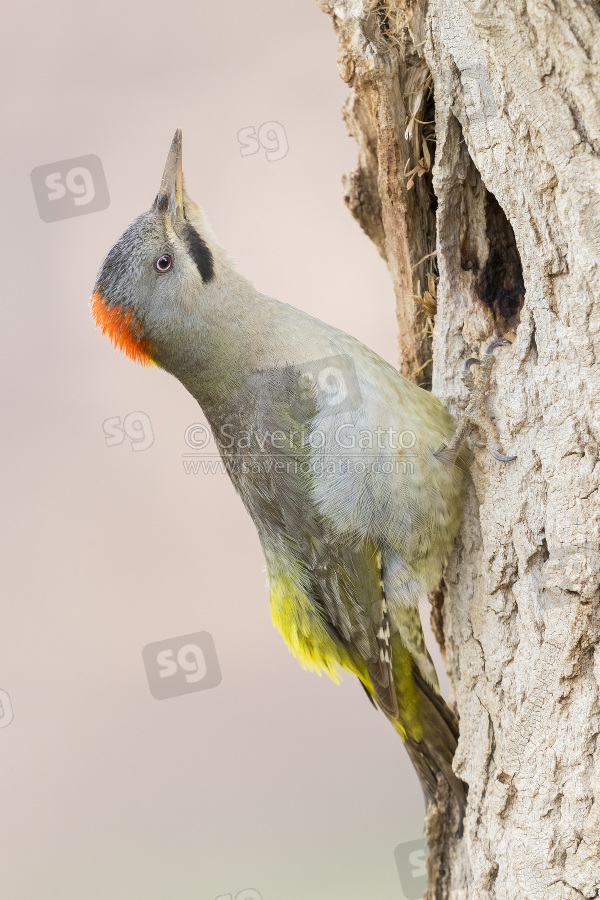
(354, 476)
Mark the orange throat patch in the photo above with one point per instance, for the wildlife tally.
(122, 328)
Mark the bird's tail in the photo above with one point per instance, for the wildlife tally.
(432, 747)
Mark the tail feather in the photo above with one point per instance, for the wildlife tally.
(434, 752)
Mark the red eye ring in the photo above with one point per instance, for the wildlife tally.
(163, 263)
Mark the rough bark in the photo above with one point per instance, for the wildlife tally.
(501, 230)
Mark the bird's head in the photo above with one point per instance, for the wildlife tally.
(157, 272)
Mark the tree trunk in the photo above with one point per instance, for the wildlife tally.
(478, 178)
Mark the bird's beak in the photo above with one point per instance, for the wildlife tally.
(170, 194)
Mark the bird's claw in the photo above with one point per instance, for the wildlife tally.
(476, 415)
(497, 342)
(499, 456)
(466, 374)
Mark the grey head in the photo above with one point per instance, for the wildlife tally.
(158, 274)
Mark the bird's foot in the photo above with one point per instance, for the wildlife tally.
(475, 416)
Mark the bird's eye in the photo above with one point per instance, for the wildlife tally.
(164, 263)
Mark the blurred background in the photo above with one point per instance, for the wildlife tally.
(269, 782)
